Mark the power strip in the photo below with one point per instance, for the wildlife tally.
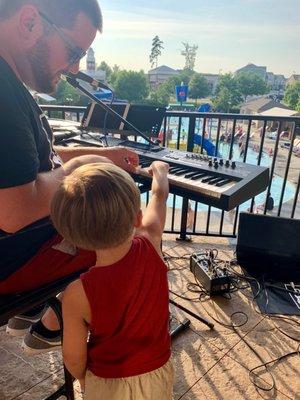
(214, 280)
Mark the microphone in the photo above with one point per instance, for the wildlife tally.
(86, 78)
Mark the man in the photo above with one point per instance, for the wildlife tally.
(39, 40)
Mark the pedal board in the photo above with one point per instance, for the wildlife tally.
(213, 279)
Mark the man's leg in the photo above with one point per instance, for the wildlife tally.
(48, 265)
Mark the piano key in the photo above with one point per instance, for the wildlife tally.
(180, 172)
(224, 182)
(174, 169)
(216, 180)
(208, 179)
(144, 164)
(200, 175)
(190, 174)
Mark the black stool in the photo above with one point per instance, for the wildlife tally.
(11, 305)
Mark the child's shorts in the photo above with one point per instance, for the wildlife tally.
(154, 385)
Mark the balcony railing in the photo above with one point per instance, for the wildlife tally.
(253, 139)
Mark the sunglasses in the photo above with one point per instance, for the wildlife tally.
(75, 53)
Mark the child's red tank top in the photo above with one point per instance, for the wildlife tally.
(129, 303)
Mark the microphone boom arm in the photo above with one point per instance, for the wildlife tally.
(73, 82)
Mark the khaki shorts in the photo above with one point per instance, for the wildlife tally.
(154, 385)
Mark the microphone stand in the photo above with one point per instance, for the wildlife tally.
(73, 82)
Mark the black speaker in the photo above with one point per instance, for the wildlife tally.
(269, 247)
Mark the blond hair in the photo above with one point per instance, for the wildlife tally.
(96, 206)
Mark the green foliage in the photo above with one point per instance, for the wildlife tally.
(292, 96)
(251, 84)
(161, 96)
(186, 76)
(67, 95)
(189, 53)
(115, 71)
(131, 85)
(157, 46)
(199, 87)
(170, 84)
(105, 67)
(228, 94)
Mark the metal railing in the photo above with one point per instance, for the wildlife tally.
(253, 139)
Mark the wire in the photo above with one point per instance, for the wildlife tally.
(209, 259)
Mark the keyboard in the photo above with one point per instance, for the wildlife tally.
(214, 181)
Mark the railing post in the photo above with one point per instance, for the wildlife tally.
(185, 201)
(183, 224)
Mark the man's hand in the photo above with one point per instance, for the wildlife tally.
(83, 160)
(123, 158)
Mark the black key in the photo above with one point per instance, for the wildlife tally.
(208, 179)
(180, 172)
(215, 180)
(174, 169)
(224, 182)
(190, 174)
(144, 164)
(200, 175)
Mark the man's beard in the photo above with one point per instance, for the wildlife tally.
(39, 58)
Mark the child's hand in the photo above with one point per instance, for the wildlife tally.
(159, 167)
(159, 171)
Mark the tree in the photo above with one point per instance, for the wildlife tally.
(157, 46)
(228, 94)
(189, 53)
(105, 67)
(131, 85)
(292, 95)
(115, 71)
(161, 96)
(199, 87)
(67, 95)
(251, 84)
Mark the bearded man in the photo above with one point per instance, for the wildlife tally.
(39, 41)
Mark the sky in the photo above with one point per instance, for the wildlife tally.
(229, 33)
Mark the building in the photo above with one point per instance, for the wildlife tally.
(212, 80)
(91, 67)
(259, 105)
(275, 82)
(253, 69)
(293, 79)
(159, 75)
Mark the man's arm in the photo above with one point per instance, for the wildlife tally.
(22, 205)
(154, 218)
(76, 311)
(121, 156)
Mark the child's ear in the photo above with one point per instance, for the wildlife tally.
(138, 220)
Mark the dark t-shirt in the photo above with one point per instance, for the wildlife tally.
(26, 148)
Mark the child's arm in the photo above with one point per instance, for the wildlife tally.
(76, 311)
(154, 218)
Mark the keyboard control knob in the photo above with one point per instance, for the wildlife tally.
(233, 164)
(210, 163)
(216, 164)
(221, 161)
(227, 163)
(215, 159)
